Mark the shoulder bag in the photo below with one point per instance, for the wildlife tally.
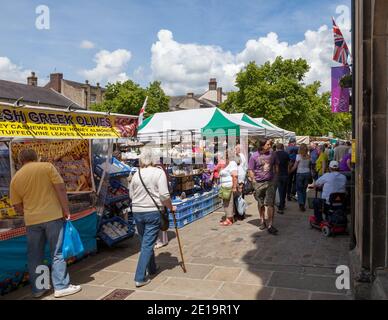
(164, 222)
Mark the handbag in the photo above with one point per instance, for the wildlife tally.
(248, 187)
(225, 193)
(164, 221)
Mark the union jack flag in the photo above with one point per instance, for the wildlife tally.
(341, 50)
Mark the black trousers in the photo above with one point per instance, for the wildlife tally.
(282, 187)
(291, 184)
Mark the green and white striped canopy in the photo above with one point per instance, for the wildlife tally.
(206, 122)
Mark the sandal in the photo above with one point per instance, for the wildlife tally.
(226, 223)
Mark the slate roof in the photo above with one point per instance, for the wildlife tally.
(12, 91)
(81, 85)
(177, 100)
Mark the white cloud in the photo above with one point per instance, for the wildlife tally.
(185, 68)
(86, 44)
(110, 66)
(12, 72)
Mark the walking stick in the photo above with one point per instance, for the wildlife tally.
(179, 243)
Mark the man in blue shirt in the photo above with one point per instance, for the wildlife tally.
(292, 151)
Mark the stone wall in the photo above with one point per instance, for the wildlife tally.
(371, 84)
(75, 94)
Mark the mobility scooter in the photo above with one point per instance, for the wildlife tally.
(335, 220)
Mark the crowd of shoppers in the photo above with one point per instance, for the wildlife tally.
(38, 192)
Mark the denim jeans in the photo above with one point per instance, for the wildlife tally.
(291, 184)
(282, 187)
(302, 181)
(37, 235)
(148, 225)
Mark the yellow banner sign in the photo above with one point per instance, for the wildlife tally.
(47, 124)
(354, 148)
(72, 158)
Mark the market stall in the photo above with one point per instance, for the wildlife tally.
(184, 137)
(207, 121)
(79, 144)
(269, 131)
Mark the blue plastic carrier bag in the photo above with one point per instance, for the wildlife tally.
(72, 244)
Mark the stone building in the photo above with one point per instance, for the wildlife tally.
(213, 97)
(83, 94)
(33, 95)
(369, 256)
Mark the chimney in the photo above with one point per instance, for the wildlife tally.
(32, 80)
(219, 95)
(56, 81)
(212, 84)
(190, 95)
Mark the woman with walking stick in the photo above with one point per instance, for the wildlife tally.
(149, 193)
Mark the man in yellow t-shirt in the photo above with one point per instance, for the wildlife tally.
(38, 192)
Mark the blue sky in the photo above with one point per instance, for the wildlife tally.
(134, 25)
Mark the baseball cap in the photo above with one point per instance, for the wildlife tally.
(292, 140)
(334, 165)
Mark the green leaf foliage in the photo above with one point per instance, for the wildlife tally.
(128, 98)
(276, 91)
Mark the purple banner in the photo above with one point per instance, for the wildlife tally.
(339, 96)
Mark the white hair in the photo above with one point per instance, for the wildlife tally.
(146, 157)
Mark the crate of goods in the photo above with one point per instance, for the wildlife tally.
(113, 169)
(182, 222)
(115, 230)
(115, 192)
(197, 215)
(183, 209)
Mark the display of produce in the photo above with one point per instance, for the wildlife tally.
(115, 229)
(116, 223)
(70, 157)
(5, 169)
(6, 210)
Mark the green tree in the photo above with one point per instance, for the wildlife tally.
(128, 98)
(276, 92)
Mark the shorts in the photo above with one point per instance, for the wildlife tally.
(265, 193)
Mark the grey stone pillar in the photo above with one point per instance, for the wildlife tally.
(371, 83)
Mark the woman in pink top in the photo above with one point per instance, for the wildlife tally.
(221, 164)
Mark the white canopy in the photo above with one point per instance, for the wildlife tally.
(270, 132)
(283, 133)
(197, 121)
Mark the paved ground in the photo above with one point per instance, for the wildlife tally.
(238, 262)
